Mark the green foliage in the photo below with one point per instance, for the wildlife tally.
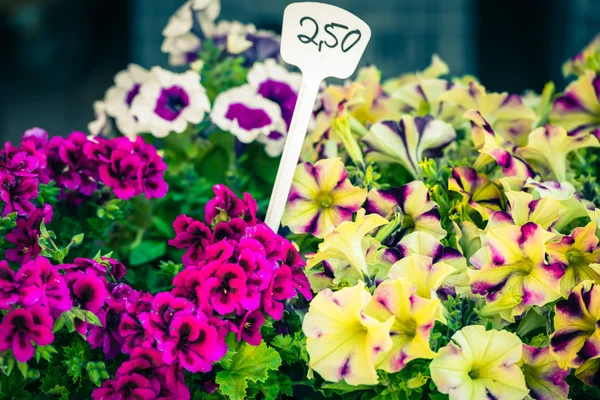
(242, 364)
(49, 248)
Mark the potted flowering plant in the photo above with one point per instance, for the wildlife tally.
(439, 240)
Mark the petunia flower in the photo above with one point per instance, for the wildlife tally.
(522, 208)
(321, 198)
(580, 254)
(514, 264)
(275, 83)
(419, 213)
(586, 60)
(193, 343)
(476, 190)
(492, 149)
(345, 242)
(480, 364)
(20, 327)
(506, 113)
(578, 109)
(576, 337)
(342, 341)
(182, 33)
(133, 386)
(119, 98)
(248, 115)
(169, 102)
(414, 317)
(544, 378)
(407, 141)
(436, 68)
(9, 287)
(549, 147)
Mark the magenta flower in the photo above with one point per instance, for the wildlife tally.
(19, 328)
(258, 271)
(9, 288)
(280, 289)
(89, 292)
(17, 162)
(17, 192)
(147, 363)
(220, 251)
(151, 171)
(134, 334)
(191, 235)
(163, 309)
(226, 288)
(193, 343)
(188, 285)
(226, 201)
(42, 285)
(107, 336)
(248, 328)
(128, 387)
(291, 257)
(233, 229)
(269, 239)
(100, 268)
(121, 174)
(25, 235)
(78, 172)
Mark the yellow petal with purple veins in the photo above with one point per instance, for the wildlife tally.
(342, 341)
(413, 320)
(480, 364)
(576, 338)
(321, 197)
(544, 378)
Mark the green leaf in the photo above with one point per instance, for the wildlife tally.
(44, 352)
(249, 363)
(91, 318)
(147, 251)
(163, 226)
(23, 367)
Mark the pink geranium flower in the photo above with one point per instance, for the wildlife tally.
(20, 327)
(193, 343)
(41, 284)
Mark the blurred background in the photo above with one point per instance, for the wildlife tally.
(58, 56)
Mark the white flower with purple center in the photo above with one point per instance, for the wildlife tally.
(119, 98)
(249, 116)
(186, 27)
(101, 126)
(276, 83)
(168, 102)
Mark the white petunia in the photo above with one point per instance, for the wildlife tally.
(247, 115)
(168, 101)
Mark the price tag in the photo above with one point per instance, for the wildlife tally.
(322, 41)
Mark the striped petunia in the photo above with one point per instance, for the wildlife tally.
(344, 246)
(490, 147)
(414, 317)
(419, 213)
(321, 198)
(576, 338)
(578, 109)
(407, 141)
(544, 378)
(580, 254)
(476, 190)
(513, 264)
(480, 364)
(506, 113)
(586, 60)
(522, 208)
(549, 146)
(342, 341)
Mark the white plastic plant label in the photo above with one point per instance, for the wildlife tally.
(322, 41)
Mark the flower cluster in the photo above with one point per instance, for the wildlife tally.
(238, 271)
(156, 101)
(194, 23)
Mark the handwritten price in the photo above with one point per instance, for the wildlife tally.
(348, 42)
